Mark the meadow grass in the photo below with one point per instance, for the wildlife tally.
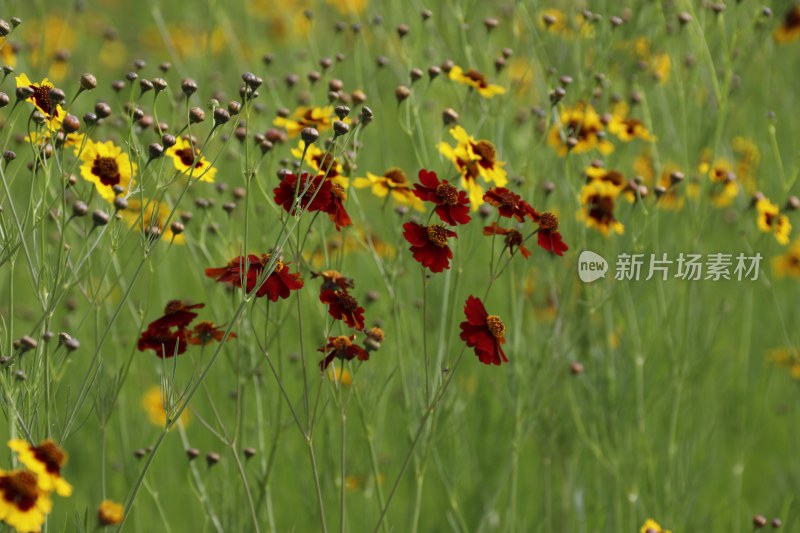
(661, 128)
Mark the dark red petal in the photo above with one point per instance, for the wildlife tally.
(428, 178)
(475, 311)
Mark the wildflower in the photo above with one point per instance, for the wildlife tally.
(613, 177)
(44, 460)
(153, 404)
(476, 80)
(23, 505)
(188, 160)
(278, 284)
(725, 187)
(771, 221)
(332, 280)
(41, 100)
(318, 118)
(474, 158)
(790, 29)
(483, 332)
(342, 306)
(556, 21)
(548, 236)
(582, 124)
(509, 204)
(788, 358)
(788, 264)
(342, 347)
(429, 245)
(625, 128)
(340, 376)
(671, 199)
(514, 240)
(314, 194)
(658, 64)
(204, 332)
(392, 181)
(110, 513)
(105, 165)
(452, 205)
(151, 219)
(167, 335)
(336, 211)
(599, 200)
(322, 161)
(651, 526)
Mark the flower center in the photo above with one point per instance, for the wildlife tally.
(477, 77)
(447, 194)
(41, 95)
(51, 455)
(338, 192)
(341, 343)
(548, 220)
(325, 163)
(485, 150)
(20, 488)
(187, 156)
(204, 331)
(437, 234)
(265, 259)
(107, 170)
(513, 238)
(348, 303)
(602, 208)
(396, 176)
(496, 326)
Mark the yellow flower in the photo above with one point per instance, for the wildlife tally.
(23, 505)
(153, 405)
(306, 117)
(110, 513)
(349, 7)
(322, 162)
(614, 178)
(625, 128)
(582, 124)
(339, 376)
(476, 80)
(599, 200)
(670, 200)
(392, 181)
(659, 65)
(788, 264)
(40, 98)
(106, 165)
(152, 217)
(556, 21)
(473, 159)
(725, 187)
(771, 221)
(191, 162)
(651, 526)
(790, 29)
(788, 358)
(8, 55)
(73, 140)
(44, 460)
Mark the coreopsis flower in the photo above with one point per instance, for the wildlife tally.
(204, 332)
(44, 460)
(313, 193)
(40, 98)
(671, 200)
(658, 64)
(788, 358)
(473, 159)
(189, 161)
(651, 526)
(278, 284)
(23, 505)
(598, 199)
(340, 376)
(509, 204)
(151, 219)
(394, 182)
(8, 56)
(429, 245)
(336, 211)
(614, 178)
(105, 165)
(322, 161)
(548, 236)
(153, 404)
(343, 306)
(332, 280)
(724, 183)
(71, 140)
(475, 80)
(342, 347)
(514, 240)
(557, 22)
(583, 125)
(483, 332)
(452, 205)
(110, 513)
(770, 220)
(167, 335)
(789, 30)
(788, 264)
(625, 128)
(318, 118)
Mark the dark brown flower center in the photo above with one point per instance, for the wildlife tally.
(338, 192)
(485, 150)
(496, 326)
(325, 162)
(265, 259)
(437, 234)
(447, 194)
(396, 176)
(602, 208)
(19, 488)
(348, 303)
(187, 156)
(204, 331)
(792, 20)
(107, 170)
(341, 343)
(548, 220)
(41, 95)
(477, 77)
(514, 238)
(51, 455)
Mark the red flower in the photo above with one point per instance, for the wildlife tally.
(514, 239)
(509, 204)
(314, 193)
(205, 332)
(342, 306)
(335, 208)
(342, 348)
(452, 205)
(549, 237)
(484, 332)
(278, 284)
(160, 336)
(176, 314)
(429, 245)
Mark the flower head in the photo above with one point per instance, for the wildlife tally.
(40, 98)
(580, 131)
(318, 118)
(322, 161)
(343, 306)
(483, 332)
(790, 29)
(770, 220)
(332, 280)
(278, 284)
(651, 526)
(188, 159)
(474, 159)
(394, 182)
(476, 80)
(44, 460)
(599, 200)
(313, 193)
(342, 347)
(23, 504)
(429, 245)
(509, 204)
(105, 165)
(153, 404)
(152, 218)
(110, 513)
(788, 264)
(452, 205)
(548, 236)
(625, 128)
(167, 335)
(204, 332)
(514, 240)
